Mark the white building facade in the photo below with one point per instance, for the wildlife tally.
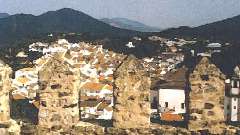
(172, 100)
(232, 100)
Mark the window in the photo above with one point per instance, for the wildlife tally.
(235, 99)
(234, 107)
(235, 84)
(182, 105)
(166, 104)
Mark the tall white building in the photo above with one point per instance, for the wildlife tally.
(232, 98)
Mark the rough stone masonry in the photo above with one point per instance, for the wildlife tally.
(7, 125)
(131, 93)
(58, 95)
(206, 98)
(5, 87)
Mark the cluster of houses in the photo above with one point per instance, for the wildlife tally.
(25, 83)
(165, 62)
(209, 49)
(171, 43)
(97, 65)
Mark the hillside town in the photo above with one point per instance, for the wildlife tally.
(74, 83)
(107, 67)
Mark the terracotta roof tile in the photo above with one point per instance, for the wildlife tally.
(93, 86)
(171, 117)
(23, 79)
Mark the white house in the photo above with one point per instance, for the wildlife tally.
(53, 49)
(172, 100)
(38, 47)
(88, 70)
(214, 45)
(171, 95)
(21, 55)
(130, 45)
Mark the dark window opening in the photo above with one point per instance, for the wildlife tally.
(154, 103)
(234, 107)
(166, 104)
(182, 105)
(228, 107)
(235, 84)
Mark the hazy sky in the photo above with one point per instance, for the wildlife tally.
(160, 13)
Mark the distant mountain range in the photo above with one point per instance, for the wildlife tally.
(26, 27)
(129, 24)
(3, 15)
(20, 30)
(223, 31)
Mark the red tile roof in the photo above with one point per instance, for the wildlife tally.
(93, 86)
(171, 117)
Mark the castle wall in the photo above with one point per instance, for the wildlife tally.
(5, 88)
(58, 96)
(132, 95)
(207, 98)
